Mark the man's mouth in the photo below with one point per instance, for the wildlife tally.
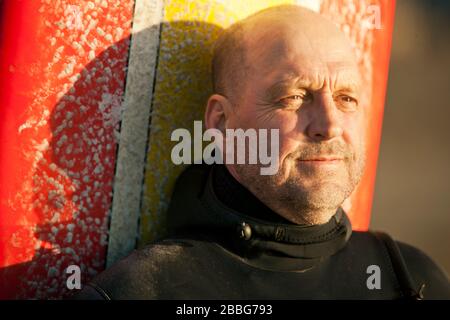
(323, 159)
(319, 161)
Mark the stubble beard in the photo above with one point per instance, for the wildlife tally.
(301, 194)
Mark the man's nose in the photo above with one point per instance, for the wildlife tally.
(325, 122)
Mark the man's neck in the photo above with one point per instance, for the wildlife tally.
(237, 196)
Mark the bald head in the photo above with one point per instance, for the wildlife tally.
(255, 43)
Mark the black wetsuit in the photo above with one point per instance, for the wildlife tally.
(226, 244)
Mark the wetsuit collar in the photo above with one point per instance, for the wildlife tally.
(261, 236)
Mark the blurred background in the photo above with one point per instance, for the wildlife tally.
(412, 193)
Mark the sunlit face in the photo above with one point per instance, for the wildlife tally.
(306, 84)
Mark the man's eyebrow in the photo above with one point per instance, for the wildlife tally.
(352, 87)
(280, 87)
(351, 84)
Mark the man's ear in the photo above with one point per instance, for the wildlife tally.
(217, 113)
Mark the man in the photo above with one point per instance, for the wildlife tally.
(237, 234)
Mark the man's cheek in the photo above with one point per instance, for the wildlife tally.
(288, 145)
(289, 123)
(354, 133)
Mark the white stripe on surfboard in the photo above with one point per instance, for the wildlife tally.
(129, 176)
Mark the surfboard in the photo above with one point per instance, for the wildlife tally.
(89, 94)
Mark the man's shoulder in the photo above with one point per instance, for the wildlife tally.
(425, 271)
(147, 271)
(421, 268)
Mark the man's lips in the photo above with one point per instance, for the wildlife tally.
(319, 161)
(322, 159)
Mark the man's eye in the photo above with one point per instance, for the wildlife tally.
(294, 101)
(347, 102)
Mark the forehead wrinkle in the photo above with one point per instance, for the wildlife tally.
(345, 79)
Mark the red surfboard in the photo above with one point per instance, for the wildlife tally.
(63, 72)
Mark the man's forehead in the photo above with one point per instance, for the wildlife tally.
(272, 51)
(341, 74)
(305, 66)
(302, 75)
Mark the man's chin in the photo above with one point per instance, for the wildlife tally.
(320, 173)
(324, 196)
